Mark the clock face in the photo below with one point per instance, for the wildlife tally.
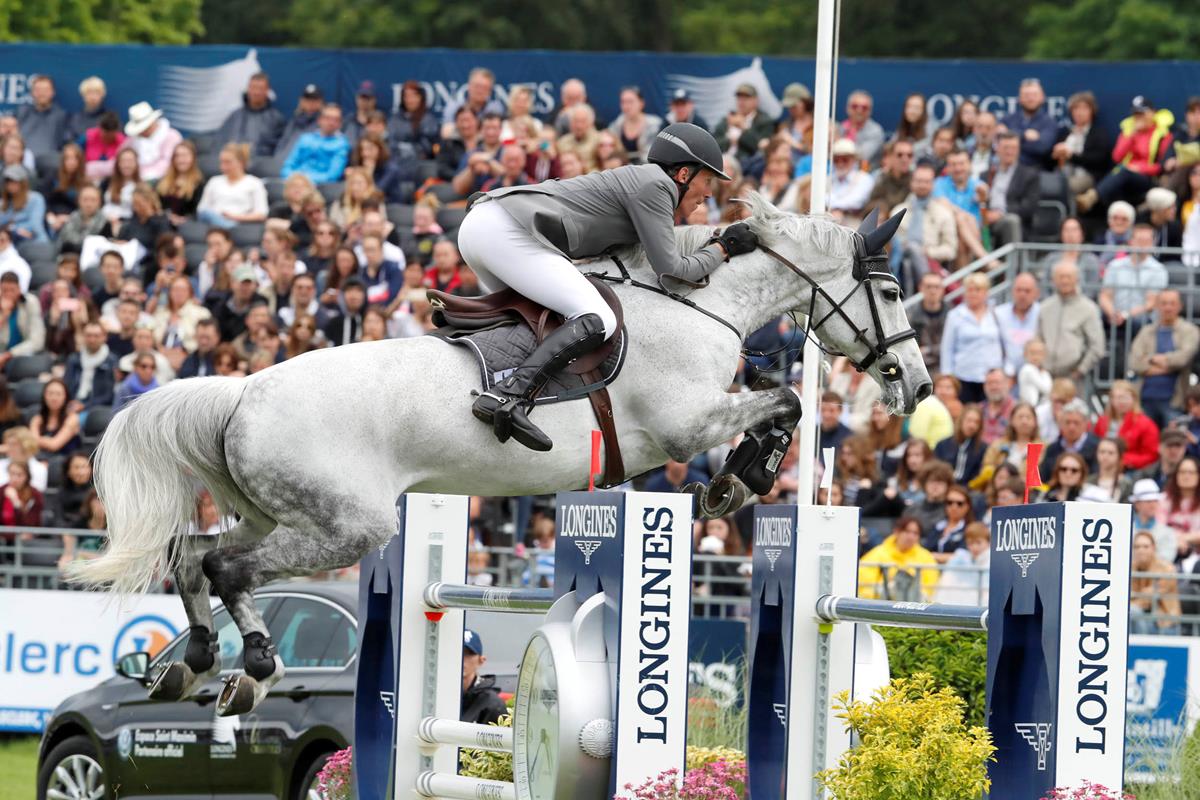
(535, 723)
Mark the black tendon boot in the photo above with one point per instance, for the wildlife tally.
(756, 460)
(506, 407)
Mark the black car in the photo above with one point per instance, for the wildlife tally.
(113, 741)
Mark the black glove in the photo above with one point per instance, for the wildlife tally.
(737, 239)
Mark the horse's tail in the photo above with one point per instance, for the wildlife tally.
(146, 468)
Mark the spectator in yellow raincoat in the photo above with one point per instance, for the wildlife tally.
(891, 569)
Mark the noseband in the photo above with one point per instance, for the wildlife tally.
(866, 269)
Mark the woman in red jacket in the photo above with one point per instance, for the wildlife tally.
(20, 504)
(1124, 418)
(1143, 144)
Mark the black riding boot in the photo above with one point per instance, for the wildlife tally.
(506, 407)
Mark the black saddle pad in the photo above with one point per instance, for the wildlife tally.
(500, 349)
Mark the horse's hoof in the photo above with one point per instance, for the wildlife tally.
(725, 495)
(241, 693)
(697, 490)
(176, 681)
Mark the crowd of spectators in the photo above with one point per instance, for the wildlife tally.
(131, 256)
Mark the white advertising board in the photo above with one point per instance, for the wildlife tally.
(54, 644)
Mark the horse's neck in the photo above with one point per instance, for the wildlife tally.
(748, 292)
(752, 290)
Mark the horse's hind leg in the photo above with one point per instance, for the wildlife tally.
(178, 680)
(286, 552)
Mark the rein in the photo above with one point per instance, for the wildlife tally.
(678, 298)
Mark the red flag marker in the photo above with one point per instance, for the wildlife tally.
(594, 469)
(1033, 478)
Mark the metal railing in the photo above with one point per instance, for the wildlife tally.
(1003, 264)
(720, 584)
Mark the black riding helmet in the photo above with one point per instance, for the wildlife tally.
(683, 144)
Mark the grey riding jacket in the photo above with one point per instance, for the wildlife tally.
(583, 217)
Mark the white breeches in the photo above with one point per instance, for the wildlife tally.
(503, 254)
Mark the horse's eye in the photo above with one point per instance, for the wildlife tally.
(891, 294)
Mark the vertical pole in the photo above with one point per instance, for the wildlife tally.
(822, 119)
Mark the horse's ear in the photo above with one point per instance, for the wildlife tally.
(762, 211)
(870, 223)
(876, 239)
(759, 206)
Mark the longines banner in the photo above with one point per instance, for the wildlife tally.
(1056, 693)
(198, 86)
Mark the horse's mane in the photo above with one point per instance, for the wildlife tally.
(817, 235)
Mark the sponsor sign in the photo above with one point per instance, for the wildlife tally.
(198, 86)
(1059, 589)
(54, 644)
(1163, 687)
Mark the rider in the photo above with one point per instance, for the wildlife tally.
(524, 237)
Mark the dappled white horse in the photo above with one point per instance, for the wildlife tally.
(312, 453)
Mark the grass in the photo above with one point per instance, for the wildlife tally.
(18, 767)
(1177, 774)
(713, 721)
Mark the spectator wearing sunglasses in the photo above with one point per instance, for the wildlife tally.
(1066, 480)
(858, 127)
(948, 535)
(139, 382)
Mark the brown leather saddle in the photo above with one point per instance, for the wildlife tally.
(452, 313)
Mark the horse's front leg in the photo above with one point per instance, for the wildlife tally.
(768, 420)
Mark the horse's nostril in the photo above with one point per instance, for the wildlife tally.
(924, 390)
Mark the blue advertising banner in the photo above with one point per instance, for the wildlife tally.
(717, 660)
(1159, 715)
(199, 86)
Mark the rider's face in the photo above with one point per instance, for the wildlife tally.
(699, 191)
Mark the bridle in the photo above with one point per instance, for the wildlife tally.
(867, 268)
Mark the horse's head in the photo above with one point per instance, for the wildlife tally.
(852, 298)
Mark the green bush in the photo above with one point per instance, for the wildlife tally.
(957, 659)
(913, 743)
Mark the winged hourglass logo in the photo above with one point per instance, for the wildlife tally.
(1038, 736)
(772, 555)
(1024, 561)
(587, 547)
(389, 702)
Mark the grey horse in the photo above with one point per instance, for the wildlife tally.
(311, 454)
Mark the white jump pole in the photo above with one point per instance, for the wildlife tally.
(459, 787)
(822, 119)
(465, 734)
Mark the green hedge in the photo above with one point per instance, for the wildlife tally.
(957, 659)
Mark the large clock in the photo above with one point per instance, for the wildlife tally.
(562, 718)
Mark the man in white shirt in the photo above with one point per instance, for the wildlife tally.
(303, 299)
(1018, 320)
(849, 186)
(374, 223)
(1132, 282)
